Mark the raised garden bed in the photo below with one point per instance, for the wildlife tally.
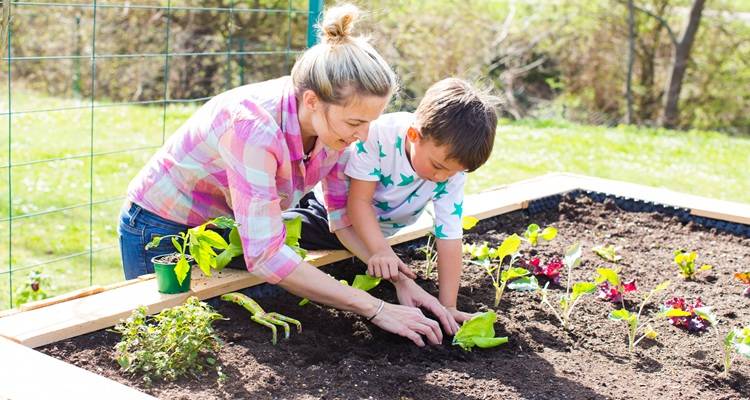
(338, 355)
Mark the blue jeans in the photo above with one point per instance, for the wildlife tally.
(137, 228)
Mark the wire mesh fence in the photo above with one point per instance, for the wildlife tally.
(92, 89)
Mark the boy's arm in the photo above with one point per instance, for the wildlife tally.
(383, 261)
(450, 263)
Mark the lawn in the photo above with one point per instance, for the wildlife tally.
(124, 137)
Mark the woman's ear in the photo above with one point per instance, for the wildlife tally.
(413, 134)
(310, 100)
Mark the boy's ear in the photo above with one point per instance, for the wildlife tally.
(413, 134)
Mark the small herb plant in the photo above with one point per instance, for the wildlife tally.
(178, 341)
(533, 233)
(686, 262)
(200, 244)
(634, 319)
(33, 289)
(737, 341)
(694, 317)
(612, 287)
(744, 277)
(608, 253)
(480, 332)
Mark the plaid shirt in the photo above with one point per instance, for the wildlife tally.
(241, 155)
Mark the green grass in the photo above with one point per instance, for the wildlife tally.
(704, 163)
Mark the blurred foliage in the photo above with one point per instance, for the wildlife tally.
(548, 59)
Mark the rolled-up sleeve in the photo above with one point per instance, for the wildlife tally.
(252, 152)
(335, 191)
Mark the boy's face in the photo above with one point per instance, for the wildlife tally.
(430, 161)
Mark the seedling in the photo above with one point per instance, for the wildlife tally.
(33, 289)
(686, 262)
(568, 301)
(550, 270)
(269, 320)
(176, 342)
(480, 332)
(293, 228)
(500, 276)
(737, 341)
(693, 318)
(634, 319)
(200, 243)
(611, 286)
(608, 253)
(744, 277)
(533, 234)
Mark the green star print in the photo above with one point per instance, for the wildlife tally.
(361, 148)
(376, 172)
(398, 145)
(380, 148)
(458, 209)
(383, 205)
(386, 180)
(439, 232)
(440, 190)
(412, 195)
(406, 180)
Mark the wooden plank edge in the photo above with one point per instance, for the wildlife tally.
(29, 374)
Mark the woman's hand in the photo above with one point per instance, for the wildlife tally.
(408, 322)
(459, 315)
(411, 294)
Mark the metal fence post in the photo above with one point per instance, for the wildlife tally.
(315, 12)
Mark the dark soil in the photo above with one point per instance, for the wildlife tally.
(338, 355)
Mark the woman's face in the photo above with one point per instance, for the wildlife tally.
(339, 126)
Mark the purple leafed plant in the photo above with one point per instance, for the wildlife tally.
(550, 270)
(694, 317)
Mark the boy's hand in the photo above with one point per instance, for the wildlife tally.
(386, 264)
(460, 316)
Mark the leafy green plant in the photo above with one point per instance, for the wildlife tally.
(686, 262)
(480, 332)
(501, 276)
(200, 243)
(612, 287)
(572, 294)
(736, 341)
(178, 341)
(534, 232)
(33, 289)
(608, 253)
(634, 319)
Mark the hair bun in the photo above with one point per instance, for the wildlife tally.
(337, 23)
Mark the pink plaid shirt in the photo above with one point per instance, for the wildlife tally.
(241, 155)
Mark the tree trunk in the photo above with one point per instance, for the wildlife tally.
(631, 60)
(670, 118)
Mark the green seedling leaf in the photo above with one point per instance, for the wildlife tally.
(234, 249)
(525, 284)
(707, 314)
(212, 239)
(674, 312)
(705, 267)
(581, 288)
(572, 256)
(478, 331)
(621, 315)
(223, 223)
(608, 253)
(469, 222)
(513, 273)
(549, 233)
(154, 243)
(181, 269)
(532, 233)
(365, 282)
(509, 246)
(609, 275)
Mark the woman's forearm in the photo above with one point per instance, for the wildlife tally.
(309, 282)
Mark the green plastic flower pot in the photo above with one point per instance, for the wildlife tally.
(166, 279)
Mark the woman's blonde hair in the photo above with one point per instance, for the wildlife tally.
(340, 65)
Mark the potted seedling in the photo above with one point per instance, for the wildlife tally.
(197, 245)
(686, 262)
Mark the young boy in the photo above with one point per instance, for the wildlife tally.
(407, 161)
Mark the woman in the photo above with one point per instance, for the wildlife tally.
(254, 151)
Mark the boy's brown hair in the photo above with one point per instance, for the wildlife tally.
(456, 114)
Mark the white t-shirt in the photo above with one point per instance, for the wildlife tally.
(401, 195)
